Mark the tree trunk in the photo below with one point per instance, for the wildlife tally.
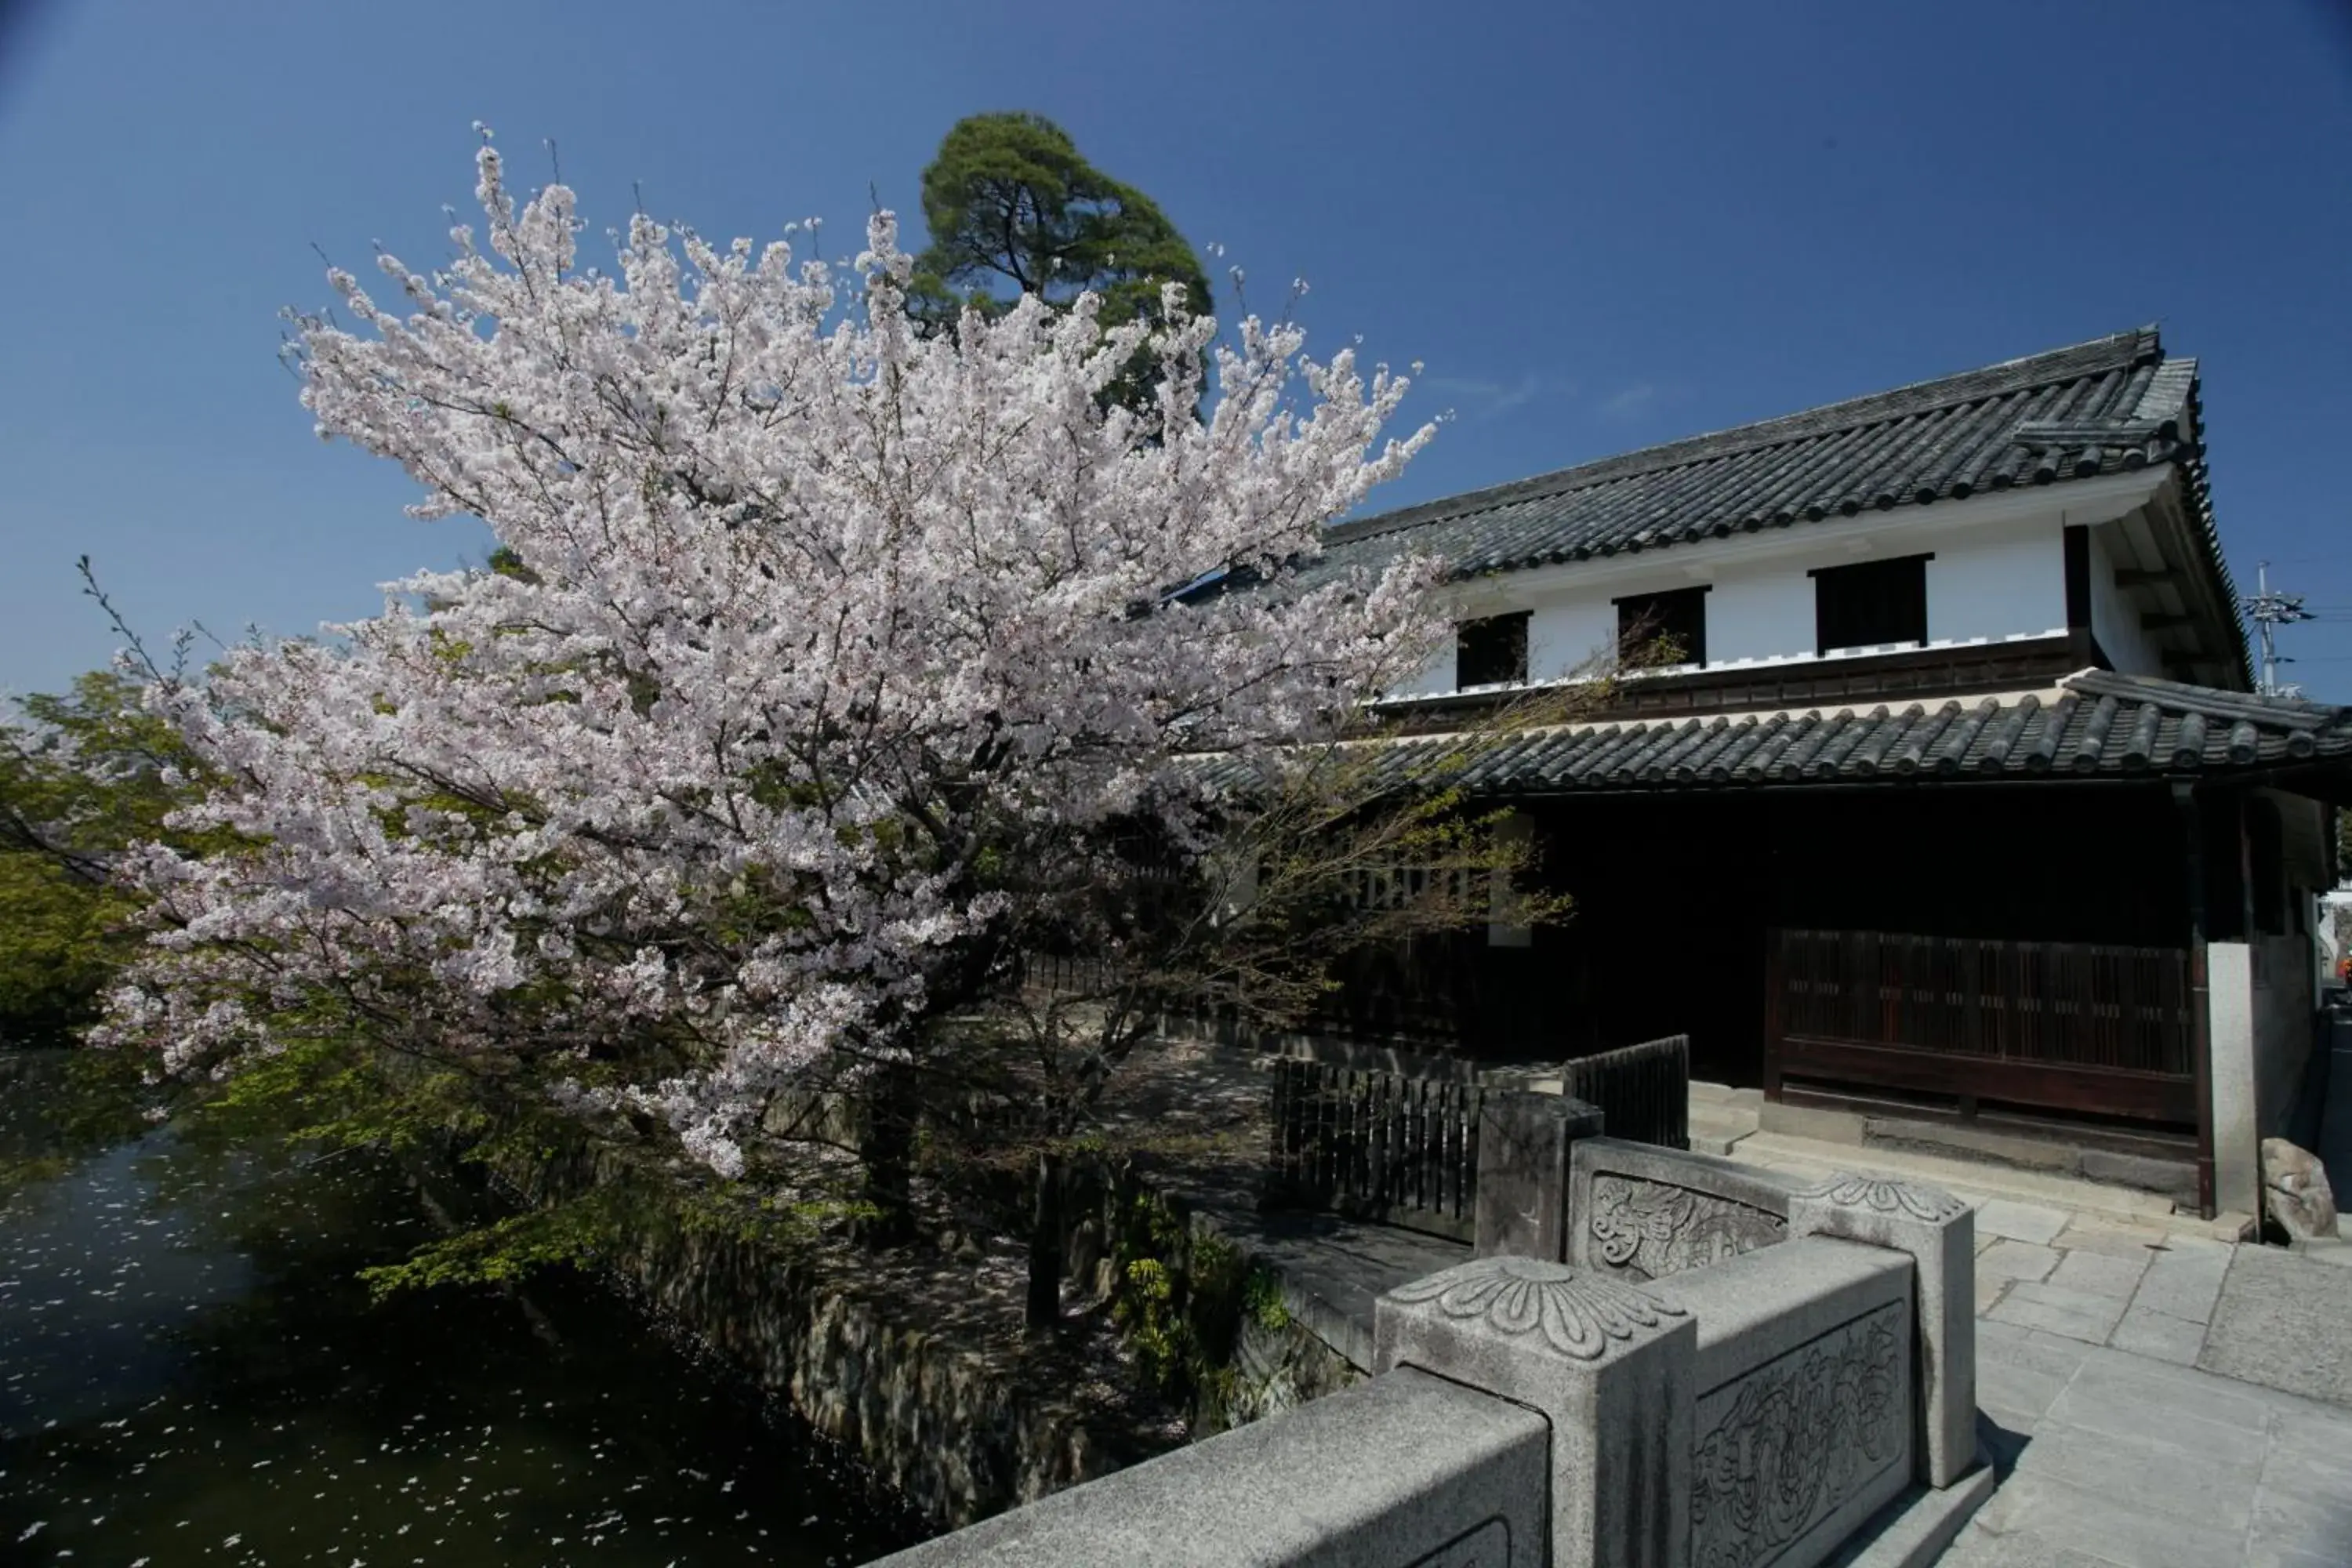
(1046, 1244)
(886, 1149)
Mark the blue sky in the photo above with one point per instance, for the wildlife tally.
(1600, 226)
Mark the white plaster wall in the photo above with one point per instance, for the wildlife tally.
(1761, 614)
(1566, 632)
(1433, 681)
(1998, 583)
(1988, 581)
(2114, 623)
(2237, 1098)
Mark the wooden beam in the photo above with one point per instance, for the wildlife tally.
(2077, 550)
(2163, 1098)
(2133, 577)
(2201, 999)
(2157, 623)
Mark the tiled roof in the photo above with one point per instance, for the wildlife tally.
(2105, 406)
(2094, 725)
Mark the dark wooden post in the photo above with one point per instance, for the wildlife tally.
(2201, 1011)
(2076, 548)
(1044, 1298)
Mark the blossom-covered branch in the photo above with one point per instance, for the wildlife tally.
(808, 628)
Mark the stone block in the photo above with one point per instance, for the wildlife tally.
(1971, 1142)
(1805, 1394)
(2175, 1179)
(1644, 1212)
(1937, 1231)
(1607, 1363)
(1406, 1471)
(1916, 1529)
(1522, 1149)
(1811, 1121)
(2296, 1190)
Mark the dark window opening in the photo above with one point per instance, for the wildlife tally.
(1871, 604)
(1491, 650)
(1655, 630)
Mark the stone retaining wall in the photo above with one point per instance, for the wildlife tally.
(1795, 1391)
(914, 1360)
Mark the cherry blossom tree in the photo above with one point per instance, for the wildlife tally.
(825, 659)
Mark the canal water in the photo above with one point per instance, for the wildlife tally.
(190, 1374)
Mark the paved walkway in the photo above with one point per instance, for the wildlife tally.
(2155, 1394)
(2145, 1383)
(2118, 1460)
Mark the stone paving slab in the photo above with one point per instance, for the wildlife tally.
(2131, 1463)
(2183, 1283)
(2020, 1222)
(2144, 1330)
(2284, 1322)
(2100, 1273)
(2002, 1258)
(2077, 1314)
(2108, 1239)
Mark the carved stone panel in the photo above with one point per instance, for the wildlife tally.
(1647, 1230)
(1928, 1205)
(1488, 1546)
(1580, 1315)
(1782, 1448)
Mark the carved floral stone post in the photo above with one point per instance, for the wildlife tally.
(1608, 1364)
(1939, 1231)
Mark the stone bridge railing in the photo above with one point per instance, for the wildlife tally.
(1701, 1365)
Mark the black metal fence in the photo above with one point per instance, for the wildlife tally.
(1643, 1091)
(1378, 1144)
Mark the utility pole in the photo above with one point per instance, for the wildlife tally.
(2268, 610)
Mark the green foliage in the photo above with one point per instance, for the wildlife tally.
(332, 1091)
(1262, 1300)
(1014, 208)
(82, 777)
(1179, 1297)
(574, 1233)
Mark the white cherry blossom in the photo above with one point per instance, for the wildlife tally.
(815, 620)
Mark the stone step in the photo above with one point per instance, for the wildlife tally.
(1965, 1178)
(1715, 1128)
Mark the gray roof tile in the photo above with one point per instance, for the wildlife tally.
(2100, 724)
(2098, 408)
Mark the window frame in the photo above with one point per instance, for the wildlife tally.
(1695, 655)
(1512, 626)
(1855, 571)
